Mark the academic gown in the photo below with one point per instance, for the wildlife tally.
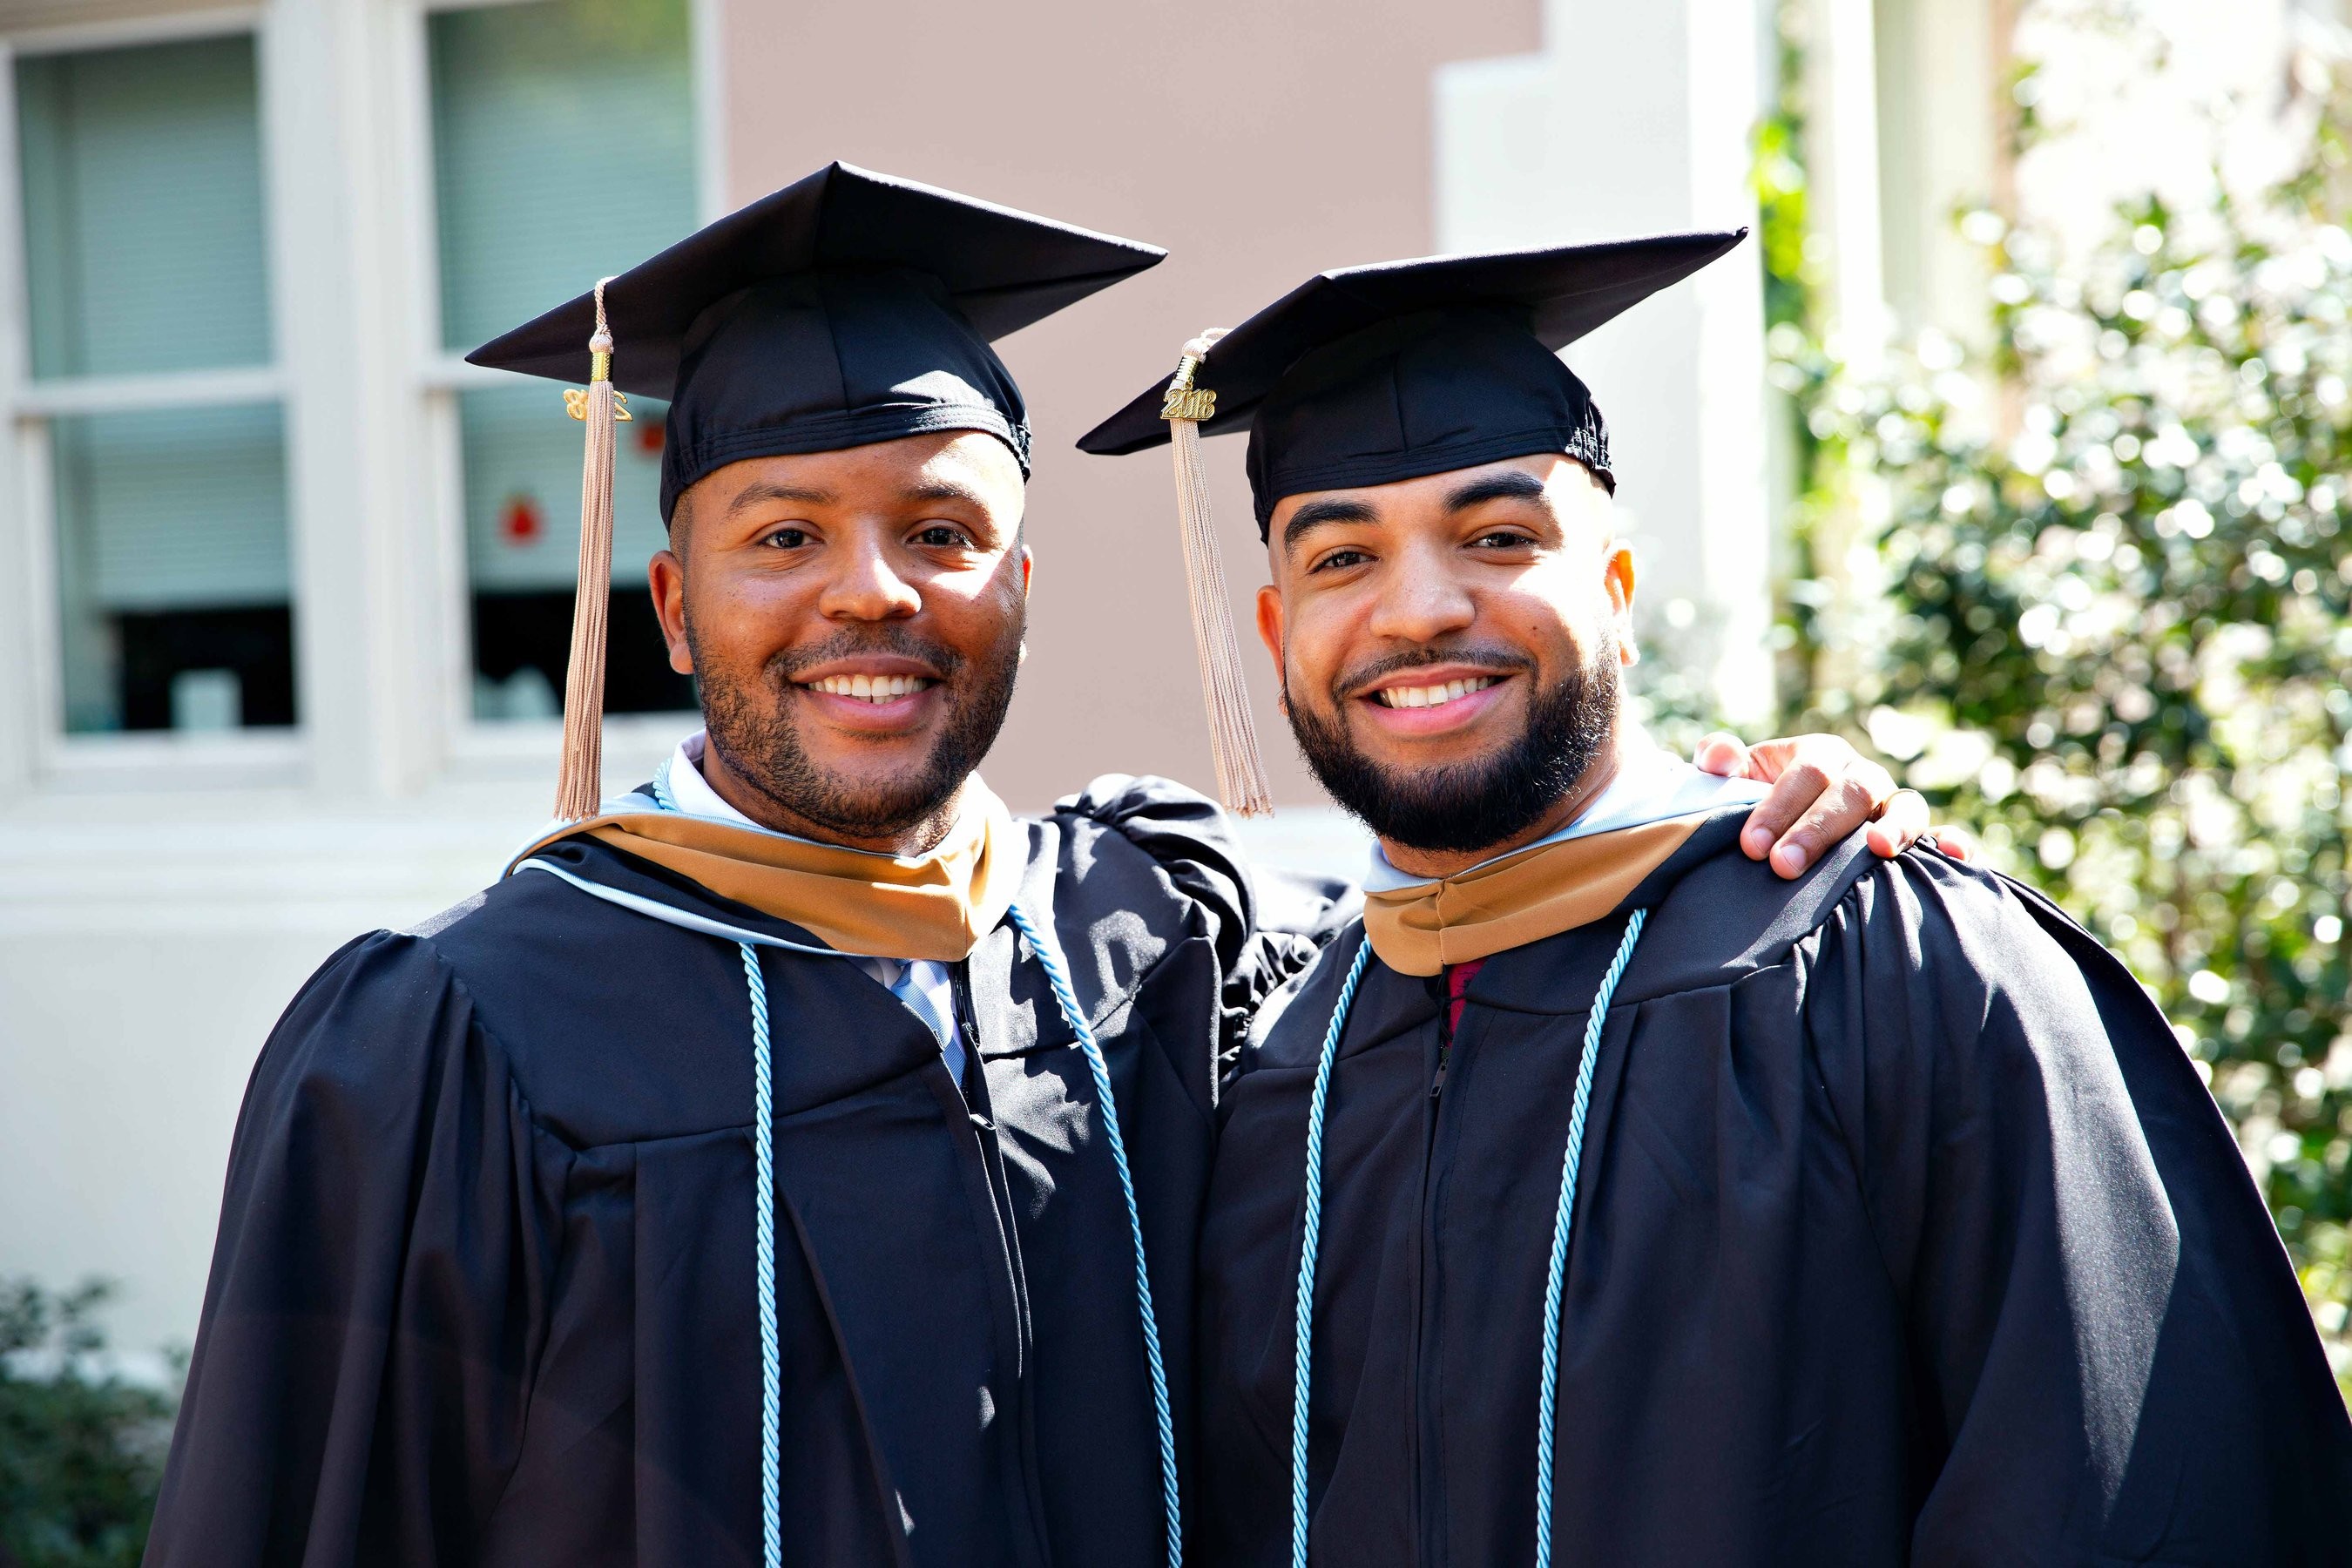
(484, 1291)
(1904, 1233)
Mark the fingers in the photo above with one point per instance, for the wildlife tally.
(1822, 789)
(1767, 760)
(1956, 845)
(1793, 789)
(1901, 823)
(1721, 753)
(1844, 804)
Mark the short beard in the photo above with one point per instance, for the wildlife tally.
(745, 716)
(1471, 804)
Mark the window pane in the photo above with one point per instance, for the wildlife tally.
(563, 151)
(143, 241)
(522, 550)
(172, 565)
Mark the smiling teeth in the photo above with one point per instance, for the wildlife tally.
(869, 687)
(1432, 695)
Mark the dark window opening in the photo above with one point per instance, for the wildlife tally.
(523, 641)
(205, 669)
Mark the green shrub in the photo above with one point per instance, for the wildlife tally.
(2115, 631)
(81, 1451)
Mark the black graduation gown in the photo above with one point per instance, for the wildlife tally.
(1905, 1233)
(483, 1288)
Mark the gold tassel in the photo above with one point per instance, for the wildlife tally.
(580, 785)
(1233, 734)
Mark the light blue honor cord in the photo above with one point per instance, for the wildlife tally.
(764, 1179)
(772, 1378)
(1548, 1388)
(1309, 1245)
(1068, 1000)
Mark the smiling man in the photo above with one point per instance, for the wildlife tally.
(764, 1169)
(1600, 1197)
(798, 1157)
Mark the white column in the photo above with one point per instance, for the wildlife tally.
(1842, 158)
(1637, 119)
(342, 262)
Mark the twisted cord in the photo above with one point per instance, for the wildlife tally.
(1309, 1247)
(663, 796)
(1548, 1390)
(1066, 999)
(770, 1360)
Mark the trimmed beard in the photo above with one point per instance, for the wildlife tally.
(749, 729)
(1469, 806)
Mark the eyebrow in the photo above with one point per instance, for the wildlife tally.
(760, 490)
(944, 489)
(1318, 514)
(1511, 484)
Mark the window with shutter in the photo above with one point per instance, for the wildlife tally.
(563, 151)
(151, 360)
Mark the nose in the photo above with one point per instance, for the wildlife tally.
(1421, 599)
(867, 585)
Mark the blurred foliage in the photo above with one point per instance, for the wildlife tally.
(1668, 692)
(81, 1451)
(2112, 627)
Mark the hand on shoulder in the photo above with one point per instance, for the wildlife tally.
(1822, 789)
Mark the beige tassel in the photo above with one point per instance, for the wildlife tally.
(579, 786)
(1233, 734)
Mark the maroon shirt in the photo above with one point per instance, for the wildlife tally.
(1457, 986)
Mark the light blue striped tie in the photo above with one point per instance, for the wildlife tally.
(908, 988)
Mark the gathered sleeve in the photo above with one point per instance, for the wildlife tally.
(379, 1286)
(2112, 1360)
(1266, 926)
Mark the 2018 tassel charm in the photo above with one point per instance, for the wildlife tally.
(1233, 733)
(580, 783)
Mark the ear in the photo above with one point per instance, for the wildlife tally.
(665, 574)
(1617, 581)
(1028, 570)
(1269, 624)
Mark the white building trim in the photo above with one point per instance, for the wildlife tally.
(1638, 120)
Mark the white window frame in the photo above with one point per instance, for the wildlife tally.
(510, 748)
(375, 518)
(42, 752)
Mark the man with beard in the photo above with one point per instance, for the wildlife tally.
(1601, 1195)
(798, 1157)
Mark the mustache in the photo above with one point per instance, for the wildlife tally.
(1499, 660)
(850, 642)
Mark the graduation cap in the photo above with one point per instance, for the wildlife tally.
(1367, 376)
(846, 309)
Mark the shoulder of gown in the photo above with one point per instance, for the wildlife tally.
(2120, 1356)
(1266, 926)
(387, 1234)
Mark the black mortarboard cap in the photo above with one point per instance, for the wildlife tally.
(846, 309)
(1366, 375)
